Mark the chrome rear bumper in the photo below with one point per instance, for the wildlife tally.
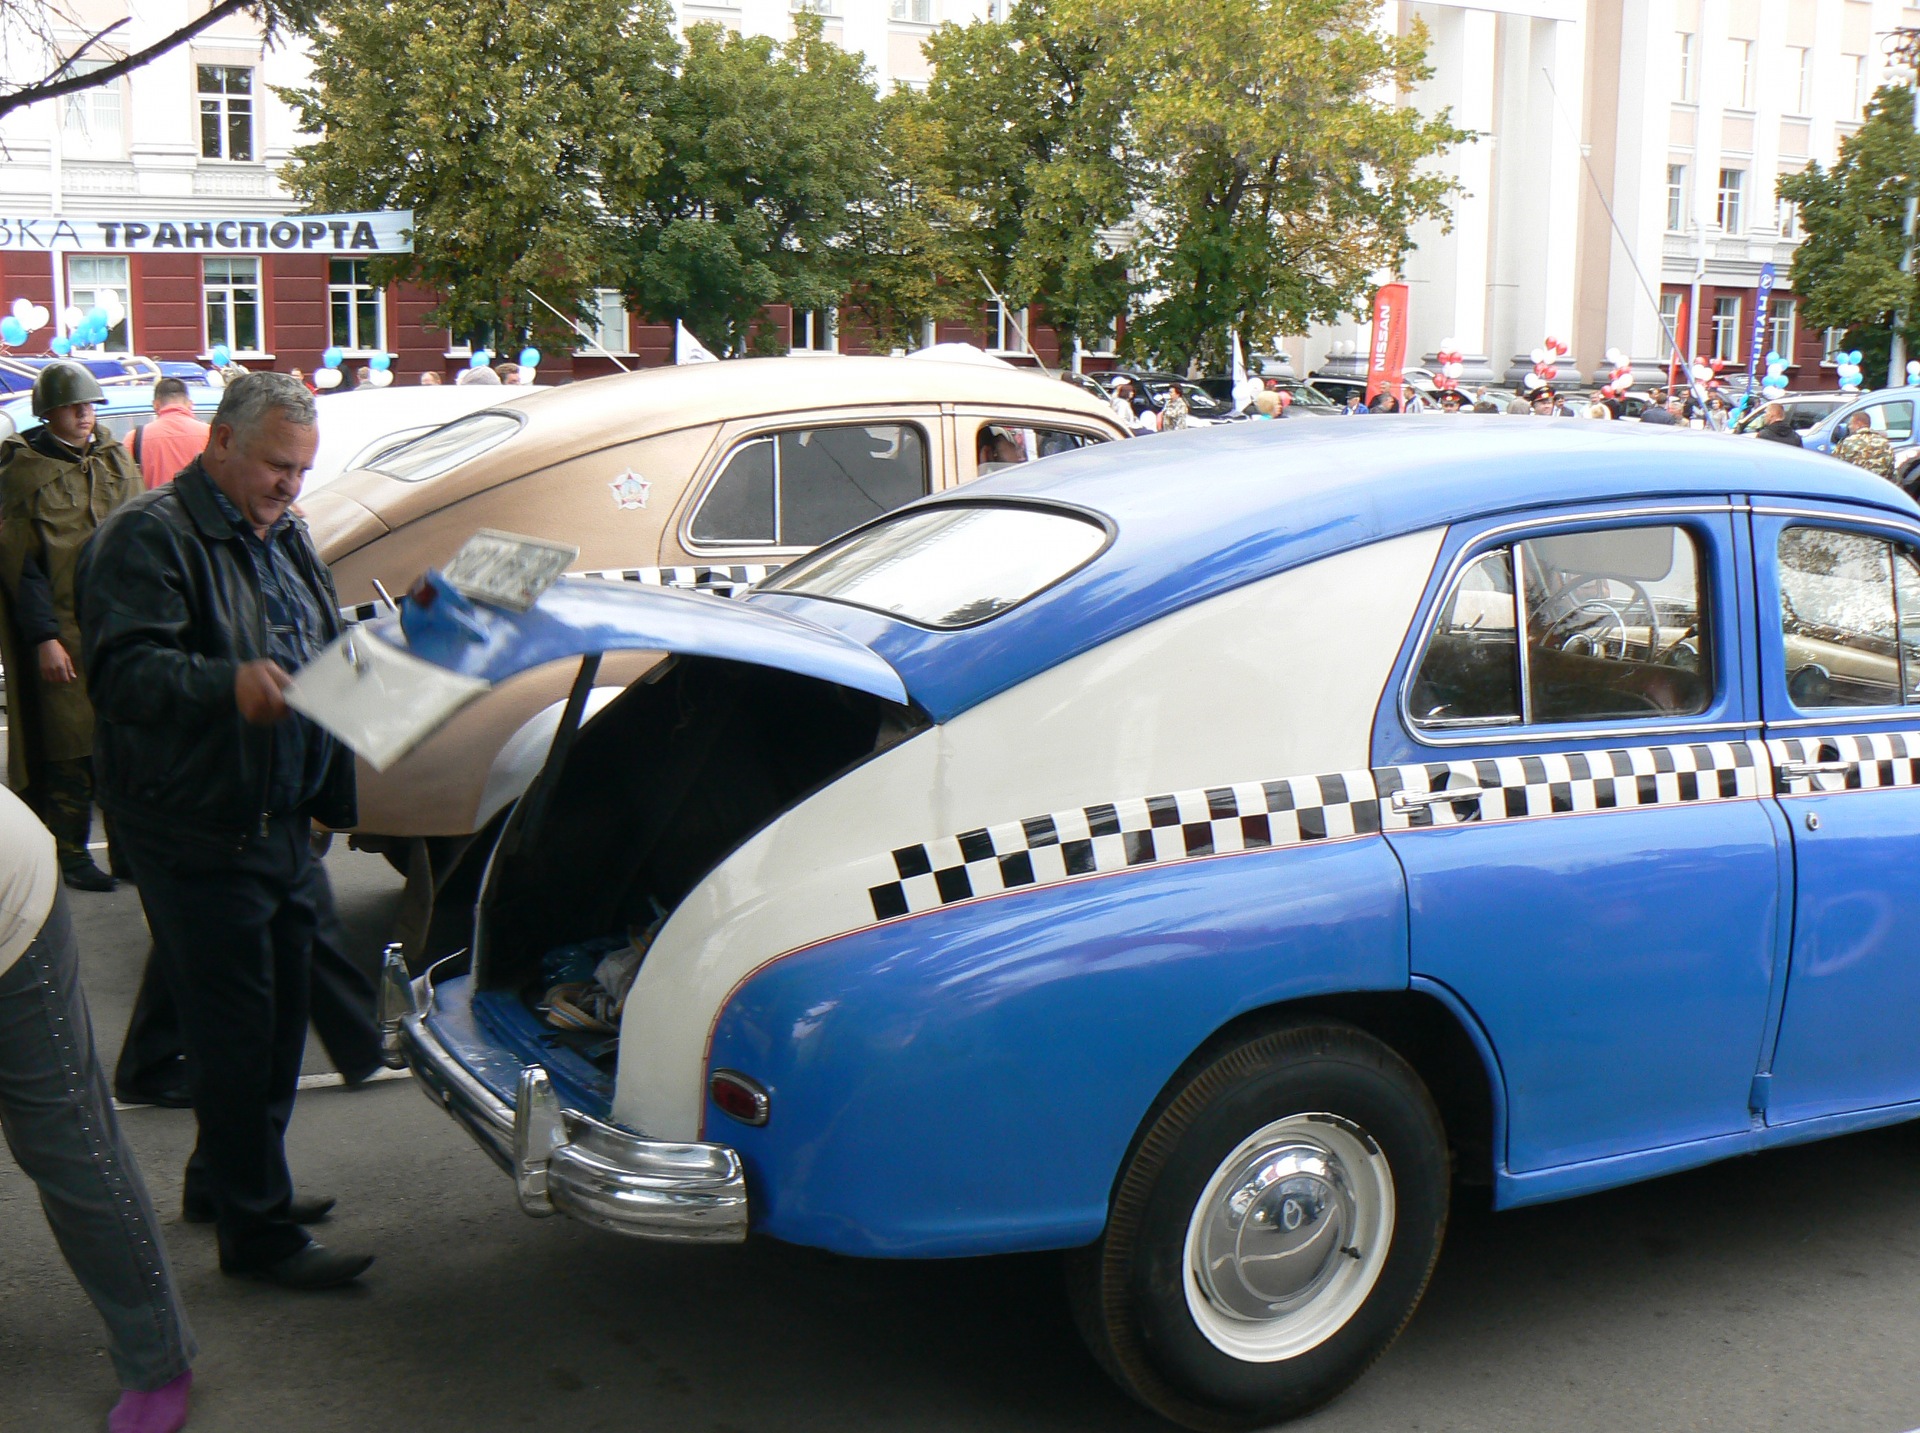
(563, 1161)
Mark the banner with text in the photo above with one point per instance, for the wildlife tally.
(363, 235)
(1387, 357)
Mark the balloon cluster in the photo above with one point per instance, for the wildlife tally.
(26, 318)
(1544, 358)
(529, 363)
(1706, 370)
(1774, 384)
(1619, 376)
(379, 370)
(1452, 363)
(1913, 372)
(327, 375)
(1846, 367)
(89, 328)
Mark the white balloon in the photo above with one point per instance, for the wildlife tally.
(1534, 380)
(74, 316)
(378, 377)
(115, 310)
(327, 378)
(527, 370)
(1454, 370)
(1539, 355)
(1701, 372)
(1449, 345)
(21, 308)
(37, 318)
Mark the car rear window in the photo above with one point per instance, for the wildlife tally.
(445, 448)
(948, 566)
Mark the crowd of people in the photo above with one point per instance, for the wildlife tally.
(153, 601)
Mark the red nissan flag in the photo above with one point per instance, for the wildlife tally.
(1387, 358)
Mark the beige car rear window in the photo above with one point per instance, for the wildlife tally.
(446, 447)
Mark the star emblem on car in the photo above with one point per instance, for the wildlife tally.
(630, 490)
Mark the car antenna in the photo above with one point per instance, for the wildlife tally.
(386, 597)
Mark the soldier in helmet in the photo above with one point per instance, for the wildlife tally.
(57, 483)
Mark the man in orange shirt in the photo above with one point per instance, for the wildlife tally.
(173, 439)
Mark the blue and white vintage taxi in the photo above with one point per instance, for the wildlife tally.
(1196, 855)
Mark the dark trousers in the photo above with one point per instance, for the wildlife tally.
(233, 935)
(66, 805)
(59, 1124)
(341, 1002)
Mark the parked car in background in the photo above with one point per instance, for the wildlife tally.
(982, 883)
(1804, 411)
(1890, 410)
(357, 427)
(1338, 386)
(1154, 384)
(706, 475)
(124, 407)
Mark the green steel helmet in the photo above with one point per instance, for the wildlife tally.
(62, 383)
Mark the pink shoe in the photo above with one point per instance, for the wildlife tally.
(164, 1410)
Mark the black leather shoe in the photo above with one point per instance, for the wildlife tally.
(174, 1097)
(314, 1267)
(310, 1210)
(85, 876)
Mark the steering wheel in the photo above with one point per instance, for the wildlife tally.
(1615, 619)
(1641, 598)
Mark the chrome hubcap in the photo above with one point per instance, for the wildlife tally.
(1288, 1237)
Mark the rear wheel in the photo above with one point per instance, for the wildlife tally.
(1272, 1232)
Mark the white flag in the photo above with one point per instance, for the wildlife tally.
(687, 348)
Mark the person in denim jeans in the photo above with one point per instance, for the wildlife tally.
(59, 1123)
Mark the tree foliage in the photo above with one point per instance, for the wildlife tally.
(501, 125)
(766, 149)
(1847, 270)
(1217, 165)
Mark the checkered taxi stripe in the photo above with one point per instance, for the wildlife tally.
(1301, 810)
(1804, 765)
(718, 581)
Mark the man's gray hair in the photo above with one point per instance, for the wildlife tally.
(250, 397)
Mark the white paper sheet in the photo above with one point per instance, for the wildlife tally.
(379, 700)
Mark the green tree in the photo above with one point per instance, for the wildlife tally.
(907, 252)
(500, 124)
(765, 149)
(1037, 153)
(1847, 270)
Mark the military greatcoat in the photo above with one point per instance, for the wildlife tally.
(51, 500)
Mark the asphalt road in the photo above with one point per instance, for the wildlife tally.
(1775, 1292)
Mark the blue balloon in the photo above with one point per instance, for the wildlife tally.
(332, 356)
(380, 362)
(12, 330)
(61, 346)
(529, 358)
(221, 355)
(481, 358)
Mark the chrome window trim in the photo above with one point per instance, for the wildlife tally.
(1519, 731)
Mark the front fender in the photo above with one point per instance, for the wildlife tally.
(968, 1081)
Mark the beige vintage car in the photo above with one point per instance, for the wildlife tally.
(706, 476)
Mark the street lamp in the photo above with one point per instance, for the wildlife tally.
(1903, 66)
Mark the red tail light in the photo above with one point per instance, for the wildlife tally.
(743, 1098)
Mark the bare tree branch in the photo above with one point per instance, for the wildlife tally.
(52, 88)
(87, 44)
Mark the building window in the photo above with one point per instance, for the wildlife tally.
(1726, 329)
(918, 11)
(1832, 340)
(89, 281)
(358, 309)
(1728, 212)
(1800, 76)
(815, 7)
(1106, 343)
(92, 127)
(1009, 328)
(1676, 197)
(816, 330)
(226, 112)
(1789, 219)
(1780, 335)
(607, 331)
(1686, 46)
(1740, 74)
(232, 288)
(1858, 72)
(1671, 339)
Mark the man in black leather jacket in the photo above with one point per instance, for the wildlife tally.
(196, 602)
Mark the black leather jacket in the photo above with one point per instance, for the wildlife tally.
(169, 610)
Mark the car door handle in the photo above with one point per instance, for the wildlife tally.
(1414, 800)
(1803, 770)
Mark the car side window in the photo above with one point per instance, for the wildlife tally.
(1849, 619)
(1894, 419)
(800, 487)
(1576, 627)
(1002, 445)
